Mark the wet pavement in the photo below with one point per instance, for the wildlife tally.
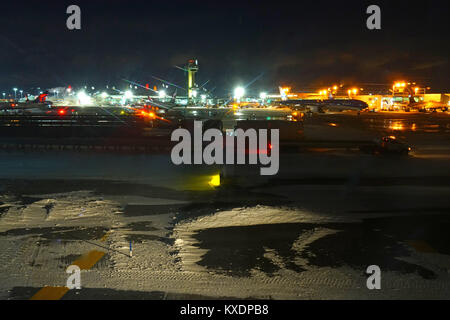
(310, 232)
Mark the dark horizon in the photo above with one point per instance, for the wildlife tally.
(303, 45)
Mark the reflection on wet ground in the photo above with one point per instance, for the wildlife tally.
(413, 123)
(388, 122)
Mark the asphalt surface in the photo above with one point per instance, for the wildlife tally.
(393, 212)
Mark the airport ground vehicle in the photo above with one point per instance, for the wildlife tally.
(387, 145)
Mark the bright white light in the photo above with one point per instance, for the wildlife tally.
(203, 96)
(239, 92)
(263, 95)
(128, 94)
(104, 95)
(161, 93)
(83, 98)
(194, 93)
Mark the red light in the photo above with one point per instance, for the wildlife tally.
(62, 111)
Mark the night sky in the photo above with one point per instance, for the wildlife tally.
(304, 44)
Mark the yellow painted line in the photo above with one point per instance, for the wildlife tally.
(421, 246)
(50, 293)
(105, 236)
(85, 262)
(89, 259)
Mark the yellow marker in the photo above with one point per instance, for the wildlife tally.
(105, 236)
(88, 260)
(421, 246)
(50, 293)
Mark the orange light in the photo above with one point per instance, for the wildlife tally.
(396, 126)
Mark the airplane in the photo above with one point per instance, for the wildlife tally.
(317, 105)
(37, 104)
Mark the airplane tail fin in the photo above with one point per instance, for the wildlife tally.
(41, 98)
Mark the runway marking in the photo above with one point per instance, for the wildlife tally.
(50, 293)
(421, 246)
(88, 260)
(85, 262)
(105, 236)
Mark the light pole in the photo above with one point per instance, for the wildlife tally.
(20, 93)
(15, 93)
(4, 94)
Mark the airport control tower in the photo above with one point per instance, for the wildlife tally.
(192, 68)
